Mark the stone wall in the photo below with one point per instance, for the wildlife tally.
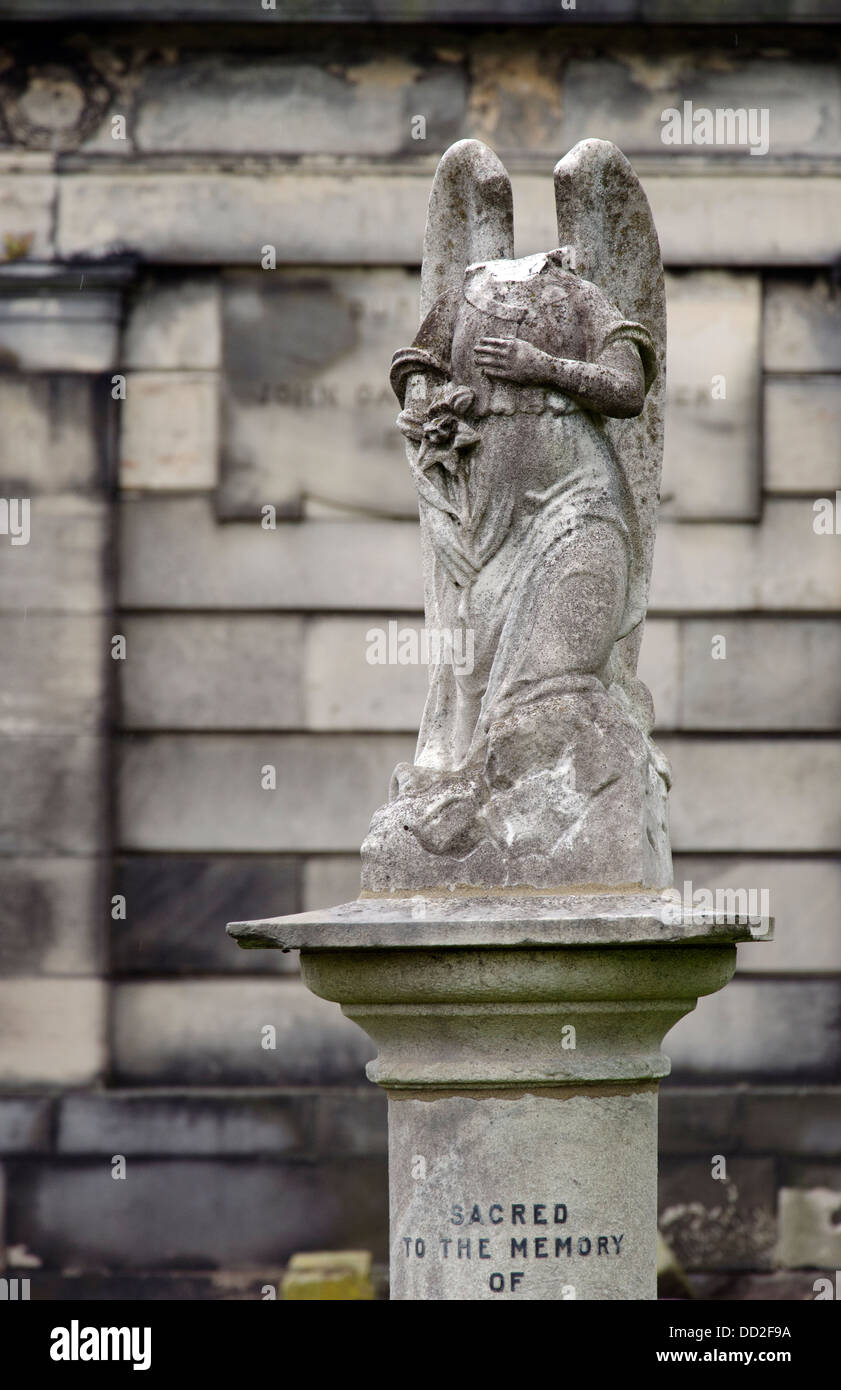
(160, 389)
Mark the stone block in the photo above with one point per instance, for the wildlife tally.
(763, 1030)
(25, 1125)
(62, 567)
(792, 1120)
(174, 323)
(66, 331)
(222, 1126)
(53, 425)
(55, 673)
(211, 1033)
(345, 689)
(781, 564)
(53, 1032)
(195, 1214)
(622, 97)
(659, 668)
(754, 680)
(170, 429)
(329, 879)
(810, 1230)
(349, 102)
(801, 432)
(319, 564)
(803, 894)
(54, 794)
(351, 1121)
(698, 1119)
(758, 794)
(27, 201)
(802, 324)
(193, 792)
(212, 672)
(714, 1223)
(52, 916)
(711, 466)
(207, 217)
(308, 413)
(177, 906)
(329, 1276)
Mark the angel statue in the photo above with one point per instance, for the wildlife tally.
(532, 408)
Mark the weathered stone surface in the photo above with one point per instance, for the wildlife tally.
(53, 1032)
(348, 686)
(52, 429)
(69, 330)
(290, 105)
(754, 679)
(319, 564)
(698, 1119)
(704, 219)
(523, 921)
(174, 322)
(54, 673)
(802, 324)
(190, 792)
(195, 1214)
(137, 1125)
(52, 915)
(210, 1033)
(25, 1124)
(809, 1230)
(169, 434)
(710, 1222)
(624, 100)
(27, 199)
(803, 895)
(781, 1287)
(712, 464)
(54, 800)
(536, 457)
(761, 1030)
(61, 569)
(802, 425)
(213, 672)
(581, 1211)
(174, 904)
(313, 421)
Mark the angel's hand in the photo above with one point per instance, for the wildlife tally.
(512, 359)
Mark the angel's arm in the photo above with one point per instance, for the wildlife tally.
(614, 385)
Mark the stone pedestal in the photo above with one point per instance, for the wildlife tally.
(519, 1040)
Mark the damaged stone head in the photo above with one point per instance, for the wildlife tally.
(532, 409)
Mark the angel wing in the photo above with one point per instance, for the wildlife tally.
(470, 218)
(604, 215)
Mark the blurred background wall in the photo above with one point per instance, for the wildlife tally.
(161, 387)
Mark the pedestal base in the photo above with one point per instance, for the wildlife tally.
(519, 1041)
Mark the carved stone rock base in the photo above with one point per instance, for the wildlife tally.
(572, 793)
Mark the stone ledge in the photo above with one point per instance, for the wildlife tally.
(500, 920)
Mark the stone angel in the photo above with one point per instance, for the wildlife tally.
(532, 408)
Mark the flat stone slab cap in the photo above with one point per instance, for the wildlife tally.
(503, 920)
